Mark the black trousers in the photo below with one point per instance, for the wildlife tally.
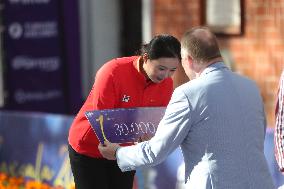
(93, 173)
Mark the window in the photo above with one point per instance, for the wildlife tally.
(223, 17)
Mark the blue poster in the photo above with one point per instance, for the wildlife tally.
(33, 151)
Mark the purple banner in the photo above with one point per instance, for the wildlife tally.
(125, 125)
(35, 58)
(72, 54)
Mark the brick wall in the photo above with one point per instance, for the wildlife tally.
(257, 54)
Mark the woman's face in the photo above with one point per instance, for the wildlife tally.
(159, 69)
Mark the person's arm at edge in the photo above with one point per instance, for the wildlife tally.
(279, 135)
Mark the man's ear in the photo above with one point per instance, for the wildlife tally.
(190, 61)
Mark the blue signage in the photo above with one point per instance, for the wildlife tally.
(38, 42)
(33, 150)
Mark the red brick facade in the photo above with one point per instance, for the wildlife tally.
(257, 54)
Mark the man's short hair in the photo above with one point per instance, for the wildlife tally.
(201, 44)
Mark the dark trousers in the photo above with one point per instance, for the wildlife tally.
(93, 173)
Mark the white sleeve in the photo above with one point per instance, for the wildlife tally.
(171, 131)
(279, 125)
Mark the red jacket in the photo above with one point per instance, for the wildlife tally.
(118, 84)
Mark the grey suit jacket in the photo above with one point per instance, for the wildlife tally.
(219, 122)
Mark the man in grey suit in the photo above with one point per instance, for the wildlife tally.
(218, 120)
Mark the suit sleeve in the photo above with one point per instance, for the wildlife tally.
(279, 126)
(171, 132)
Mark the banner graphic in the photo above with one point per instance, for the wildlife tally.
(33, 151)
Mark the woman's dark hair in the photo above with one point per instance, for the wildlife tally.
(162, 46)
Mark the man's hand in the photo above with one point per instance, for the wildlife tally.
(108, 150)
(143, 138)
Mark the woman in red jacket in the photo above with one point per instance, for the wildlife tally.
(137, 81)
